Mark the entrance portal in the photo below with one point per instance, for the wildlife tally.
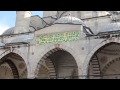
(58, 64)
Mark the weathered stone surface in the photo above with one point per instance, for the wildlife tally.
(86, 54)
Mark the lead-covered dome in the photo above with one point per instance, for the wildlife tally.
(9, 31)
(69, 20)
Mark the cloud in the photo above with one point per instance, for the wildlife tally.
(3, 28)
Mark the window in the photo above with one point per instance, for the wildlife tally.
(87, 31)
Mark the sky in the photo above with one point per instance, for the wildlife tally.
(7, 19)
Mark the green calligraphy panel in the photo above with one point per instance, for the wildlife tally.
(57, 37)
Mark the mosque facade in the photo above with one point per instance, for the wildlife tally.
(62, 45)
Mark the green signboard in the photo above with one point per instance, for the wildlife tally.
(57, 37)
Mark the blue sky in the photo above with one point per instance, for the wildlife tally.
(7, 19)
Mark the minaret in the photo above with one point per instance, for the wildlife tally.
(22, 21)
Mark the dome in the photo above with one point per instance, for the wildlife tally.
(109, 27)
(69, 20)
(9, 31)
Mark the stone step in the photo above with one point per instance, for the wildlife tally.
(52, 71)
(96, 69)
(97, 78)
(52, 74)
(94, 60)
(95, 64)
(96, 73)
(48, 61)
(51, 68)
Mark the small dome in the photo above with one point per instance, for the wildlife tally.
(69, 20)
(109, 27)
(9, 31)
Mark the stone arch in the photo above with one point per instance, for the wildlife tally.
(11, 64)
(53, 48)
(14, 51)
(91, 53)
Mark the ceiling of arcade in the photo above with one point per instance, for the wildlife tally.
(108, 53)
